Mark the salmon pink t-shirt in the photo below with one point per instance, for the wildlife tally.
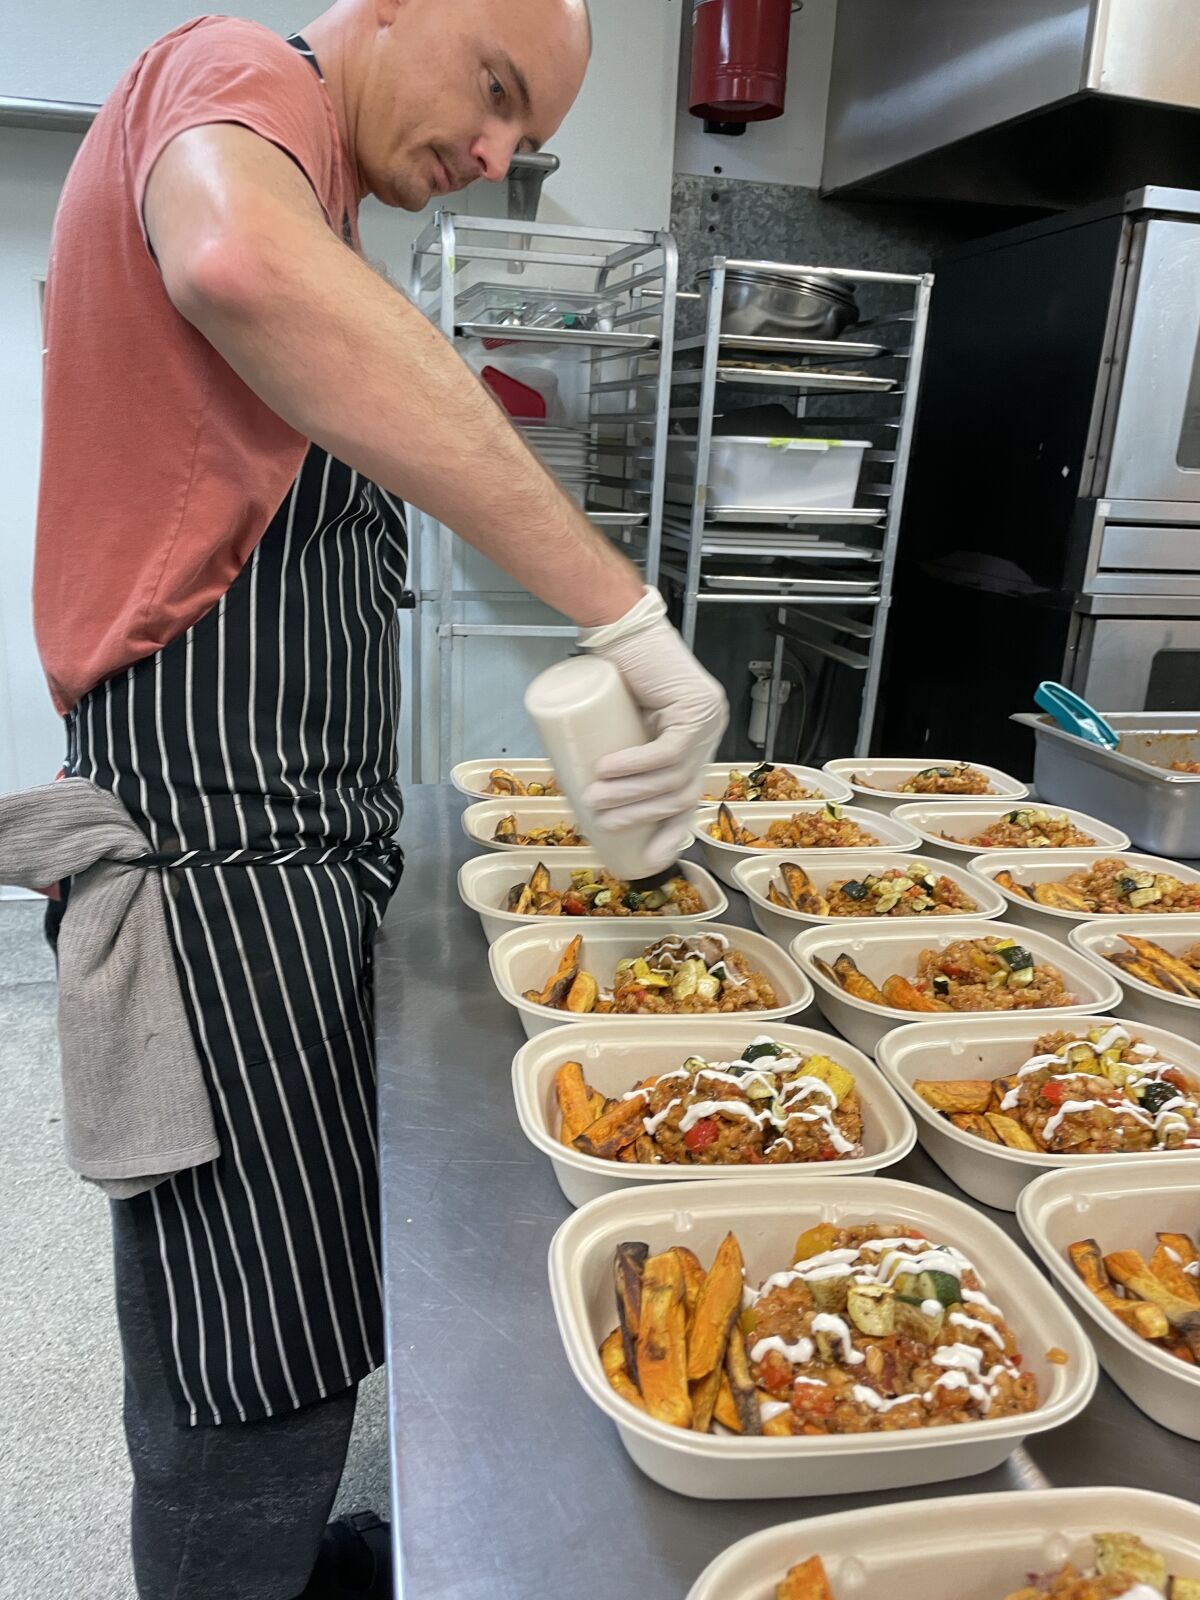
(161, 470)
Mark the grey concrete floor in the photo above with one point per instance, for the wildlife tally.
(64, 1480)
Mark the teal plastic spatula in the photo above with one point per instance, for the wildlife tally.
(1075, 715)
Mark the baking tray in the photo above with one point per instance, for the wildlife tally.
(504, 334)
(802, 378)
(1159, 810)
(767, 344)
(864, 516)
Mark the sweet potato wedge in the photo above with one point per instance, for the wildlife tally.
(1183, 974)
(581, 997)
(1011, 1132)
(724, 1409)
(904, 996)
(612, 1359)
(854, 982)
(1059, 897)
(629, 1260)
(806, 1582)
(574, 1100)
(611, 1133)
(1132, 1273)
(977, 1123)
(741, 1383)
(704, 1399)
(955, 1094)
(717, 1307)
(1183, 1247)
(693, 1279)
(662, 1341)
(777, 899)
(1006, 881)
(1172, 1275)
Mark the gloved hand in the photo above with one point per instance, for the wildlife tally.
(685, 711)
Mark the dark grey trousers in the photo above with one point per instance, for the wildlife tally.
(228, 1513)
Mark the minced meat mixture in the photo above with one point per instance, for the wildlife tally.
(1109, 887)
(765, 783)
(974, 975)
(960, 779)
(875, 1329)
(1026, 829)
(826, 829)
(775, 1108)
(917, 893)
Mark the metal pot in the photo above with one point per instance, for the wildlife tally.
(778, 305)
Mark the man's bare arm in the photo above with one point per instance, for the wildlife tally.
(249, 259)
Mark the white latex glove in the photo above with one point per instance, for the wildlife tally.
(685, 712)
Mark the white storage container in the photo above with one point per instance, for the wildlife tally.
(754, 876)
(916, 1551)
(524, 958)
(945, 825)
(1097, 940)
(1047, 866)
(1122, 1207)
(879, 952)
(720, 859)
(966, 1047)
(616, 1053)
(878, 793)
(484, 882)
(766, 1219)
(472, 777)
(784, 474)
(716, 777)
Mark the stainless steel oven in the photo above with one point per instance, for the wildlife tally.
(1138, 654)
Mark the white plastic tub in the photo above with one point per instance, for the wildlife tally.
(755, 875)
(961, 819)
(1096, 940)
(720, 859)
(524, 958)
(1045, 866)
(915, 1551)
(881, 951)
(963, 1047)
(615, 1056)
(484, 882)
(1121, 1207)
(796, 474)
(877, 793)
(766, 1219)
(472, 777)
(716, 776)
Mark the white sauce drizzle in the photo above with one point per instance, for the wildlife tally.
(826, 1322)
(797, 1354)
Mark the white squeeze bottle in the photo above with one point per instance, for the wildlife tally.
(583, 711)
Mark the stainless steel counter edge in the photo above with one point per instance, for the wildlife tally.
(508, 1484)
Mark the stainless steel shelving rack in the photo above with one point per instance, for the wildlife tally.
(825, 574)
(628, 393)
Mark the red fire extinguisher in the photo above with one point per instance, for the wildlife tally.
(739, 61)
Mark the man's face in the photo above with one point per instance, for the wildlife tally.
(453, 88)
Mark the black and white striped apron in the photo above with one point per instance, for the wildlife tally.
(258, 752)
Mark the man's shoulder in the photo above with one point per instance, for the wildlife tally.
(216, 41)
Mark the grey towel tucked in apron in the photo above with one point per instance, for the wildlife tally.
(135, 1105)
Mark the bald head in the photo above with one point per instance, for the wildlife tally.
(439, 93)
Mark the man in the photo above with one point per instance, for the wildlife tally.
(235, 405)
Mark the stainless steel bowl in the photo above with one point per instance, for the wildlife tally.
(777, 306)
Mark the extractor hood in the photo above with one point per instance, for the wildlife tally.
(1033, 103)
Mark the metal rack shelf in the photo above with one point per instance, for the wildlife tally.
(615, 387)
(829, 593)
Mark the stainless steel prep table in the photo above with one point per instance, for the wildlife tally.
(507, 1483)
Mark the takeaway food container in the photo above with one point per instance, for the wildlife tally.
(874, 778)
(1029, 867)
(1121, 1207)
(716, 778)
(472, 777)
(484, 882)
(1160, 810)
(800, 474)
(946, 825)
(617, 1054)
(754, 875)
(915, 1552)
(1103, 938)
(524, 958)
(766, 1219)
(720, 858)
(880, 951)
(966, 1047)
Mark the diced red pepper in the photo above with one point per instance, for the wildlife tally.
(1054, 1092)
(574, 905)
(701, 1134)
(775, 1371)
